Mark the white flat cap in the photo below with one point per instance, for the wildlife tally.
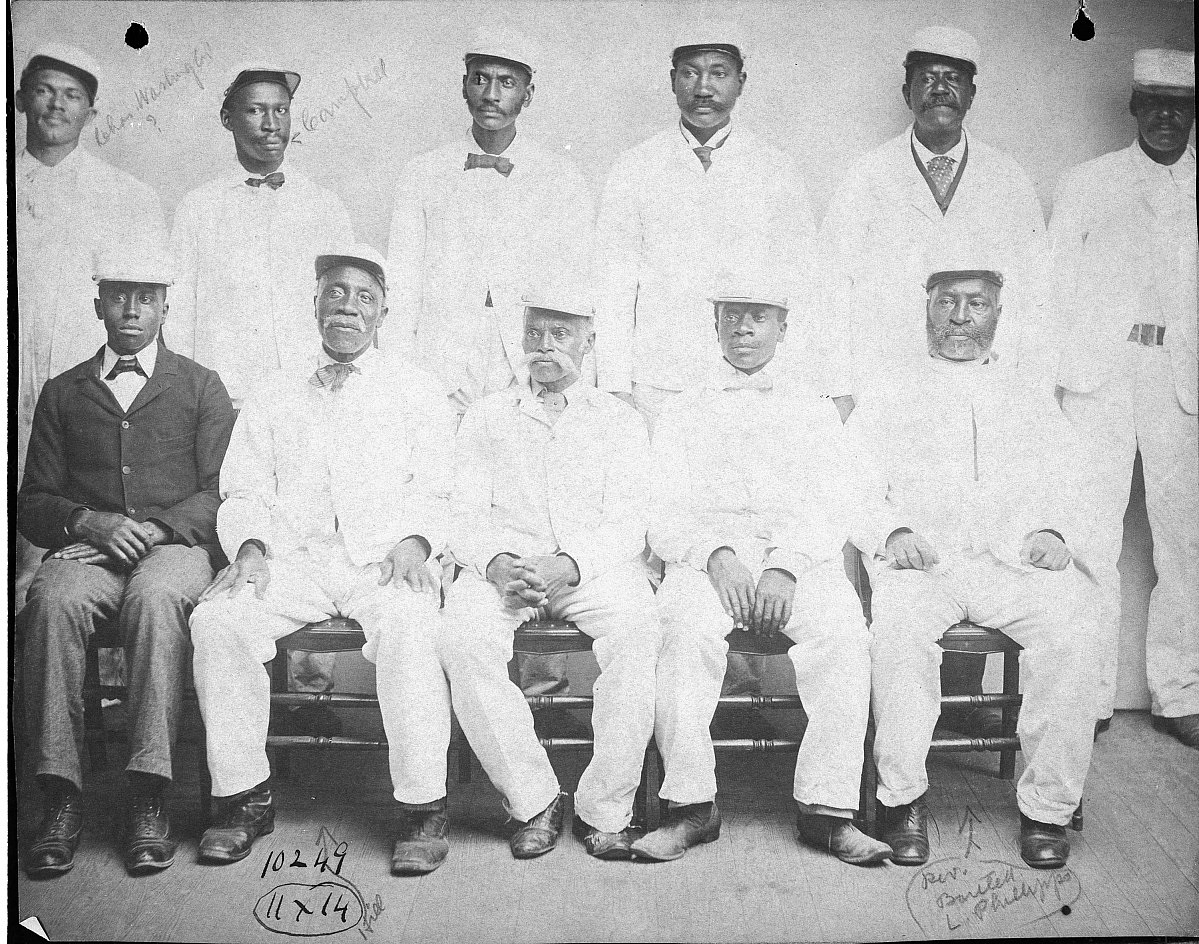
(360, 256)
(1163, 71)
(946, 42)
(143, 263)
(502, 42)
(563, 300)
(748, 288)
(247, 73)
(719, 35)
(69, 59)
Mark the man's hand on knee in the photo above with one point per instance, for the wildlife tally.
(773, 600)
(734, 585)
(83, 553)
(250, 567)
(907, 550)
(1045, 550)
(121, 538)
(406, 562)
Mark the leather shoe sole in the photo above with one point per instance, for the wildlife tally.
(611, 847)
(843, 839)
(540, 834)
(145, 861)
(50, 867)
(671, 841)
(235, 843)
(1043, 845)
(418, 857)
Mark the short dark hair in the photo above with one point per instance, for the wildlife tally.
(915, 59)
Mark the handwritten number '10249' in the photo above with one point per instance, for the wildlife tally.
(276, 862)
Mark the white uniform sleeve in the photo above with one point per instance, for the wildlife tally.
(474, 539)
(180, 327)
(247, 482)
(431, 425)
(406, 246)
(616, 267)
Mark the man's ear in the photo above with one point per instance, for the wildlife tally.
(589, 344)
(672, 75)
(99, 309)
(19, 98)
(782, 330)
(382, 317)
(166, 309)
(90, 117)
(464, 79)
(528, 99)
(225, 119)
(907, 95)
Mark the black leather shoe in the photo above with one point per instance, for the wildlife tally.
(540, 834)
(842, 838)
(1185, 728)
(685, 826)
(243, 817)
(905, 830)
(1102, 726)
(1043, 845)
(609, 846)
(53, 849)
(420, 845)
(149, 846)
(973, 722)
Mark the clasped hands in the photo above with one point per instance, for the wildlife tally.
(529, 582)
(907, 550)
(764, 608)
(110, 537)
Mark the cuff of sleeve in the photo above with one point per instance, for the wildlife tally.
(574, 559)
(424, 540)
(615, 383)
(697, 556)
(791, 562)
(880, 549)
(66, 526)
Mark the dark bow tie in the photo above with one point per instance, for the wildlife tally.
(274, 181)
(333, 375)
(501, 164)
(124, 365)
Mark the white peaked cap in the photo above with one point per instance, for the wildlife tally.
(748, 288)
(946, 41)
(709, 34)
(502, 42)
(1165, 71)
(360, 256)
(142, 262)
(563, 299)
(72, 56)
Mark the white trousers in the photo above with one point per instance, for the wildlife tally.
(831, 657)
(1049, 613)
(234, 635)
(616, 610)
(1139, 408)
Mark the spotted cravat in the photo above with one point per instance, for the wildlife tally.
(494, 161)
(274, 181)
(940, 169)
(333, 375)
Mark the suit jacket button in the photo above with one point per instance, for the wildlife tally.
(124, 424)
(131, 510)
(125, 470)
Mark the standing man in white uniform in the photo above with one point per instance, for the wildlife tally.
(476, 224)
(748, 516)
(335, 491)
(69, 206)
(1124, 245)
(551, 488)
(703, 197)
(243, 244)
(928, 189)
(973, 511)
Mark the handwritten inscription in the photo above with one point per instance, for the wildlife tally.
(952, 897)
(147, 96)
(310, 910)
(357, 94)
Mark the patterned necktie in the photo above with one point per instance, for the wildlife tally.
(552, 403)
(124, 365)
(940, 169)
(494, 161)
(333, 375)
(274, 181)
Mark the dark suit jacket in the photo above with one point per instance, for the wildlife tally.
(161, 460)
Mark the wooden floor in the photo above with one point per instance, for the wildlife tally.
(1134, 869)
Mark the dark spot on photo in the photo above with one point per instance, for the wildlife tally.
(136, 36)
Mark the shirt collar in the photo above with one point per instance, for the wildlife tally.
(240, 175)
(514, 152)
(147, 357)
(926, 155)
(1182, 171)
(364, 361)
(28, 163)
(724, 376)
(713, 142)
(578, 392)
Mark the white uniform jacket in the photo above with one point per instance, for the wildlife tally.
(667, 237)
(973, 457)
(526, 487)
(1124, 247)
(882, 232)
(757, 463)
(242, 301)
(64, 215)
(459, 235)
(370, 463)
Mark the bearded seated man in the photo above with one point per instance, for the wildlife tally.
(971, 507)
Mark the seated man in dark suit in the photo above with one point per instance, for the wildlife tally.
(121, 484)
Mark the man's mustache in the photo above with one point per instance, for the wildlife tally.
(561, 359)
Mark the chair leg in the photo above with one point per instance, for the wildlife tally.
(1011, 686)
(651, 783)
(868, 793)
(465, 758)
(279, 673)
(93, 713)
(1076, 819)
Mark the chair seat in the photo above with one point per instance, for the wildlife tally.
(336, 634)
(550, 637)
(747, 643)
(970, 637)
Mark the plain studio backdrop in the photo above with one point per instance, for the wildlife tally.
(382, 82)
